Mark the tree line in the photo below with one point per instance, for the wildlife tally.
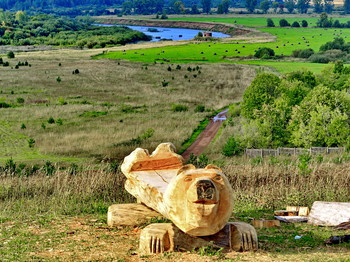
(19, 28)
(125, 7)
(298, 109)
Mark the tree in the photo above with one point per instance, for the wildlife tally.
(206, 5)
(270, 22)
(328, 6)
(194, 9)
(250, 5)
(283, 23)
(290, 5)
(179, 8)
(127, 7)
(304, 23)
(10, 54)
(264, 53)
(295, 24)
(347, 6)
(262, 90)
(318, 6)
(275, 6)
(225, 6)
(303, 5)
(231, 147)
(264, 6)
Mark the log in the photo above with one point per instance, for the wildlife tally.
(198, 201)
(329, 213)
(130, 215)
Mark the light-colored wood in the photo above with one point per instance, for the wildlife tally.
(130, 215)
(302, 211)
(159, 238)
(329, 213)
(198, 201)
(266, 223)
(285, 213)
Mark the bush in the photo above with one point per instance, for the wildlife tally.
(4, 105)
(179, 108)
(199, 108)
(51, 120)
(264, 52)
(284, 23)
(319, 58)
(20, 100)
(270, 22)
(295, 24)
(11, 54)
(231, 147)
(49, 169)
(31, 142)
(304, 23)
(303, 53)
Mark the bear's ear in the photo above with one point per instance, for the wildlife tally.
(213, 167)
(186, 167)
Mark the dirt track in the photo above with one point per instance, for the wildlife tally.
(206, 136)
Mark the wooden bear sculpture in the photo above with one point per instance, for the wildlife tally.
(198, 202)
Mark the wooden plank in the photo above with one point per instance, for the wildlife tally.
(329, 213)
(266, 223)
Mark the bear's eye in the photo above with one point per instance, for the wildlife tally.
(218, 178)
(188, 179)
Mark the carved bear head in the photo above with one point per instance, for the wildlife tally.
(199, 201)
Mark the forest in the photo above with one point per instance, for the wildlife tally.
(18, 28)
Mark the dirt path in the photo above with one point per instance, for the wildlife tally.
(206, 136)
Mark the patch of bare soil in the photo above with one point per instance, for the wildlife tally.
(206, 136)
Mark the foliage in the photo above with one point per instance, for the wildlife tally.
(62, 31)
(264, 52)
(179, 108)
(10, 54)
(231, 147)
(318, 6)
(270, 22)
(304, 23)
(290, 5)
(303, 5)
(265, 5)
(262, 90)
(283, 23)
(206, 6)
(250, 5)
(295, 24)
(303, 53)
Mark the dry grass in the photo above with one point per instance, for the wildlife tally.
(105, 85)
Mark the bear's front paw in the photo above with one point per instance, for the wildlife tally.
(155, 239)
(244, 237)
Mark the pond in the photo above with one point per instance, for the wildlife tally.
(169, 33)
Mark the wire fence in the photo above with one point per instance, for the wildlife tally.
(291, 151)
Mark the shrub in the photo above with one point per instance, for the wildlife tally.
(23, 126)
(49, 169)
(264, 52)
(59, 121)
(179, 108)
(4, 105)
(283, 23)
(20, 100)
(199, 108)
(31, 142)
(270, 22)
(231, 147)
(303, 53)
(10, 54)
(51, 120)
(295, 24)
(319, 58)
(304, 23)
(10, 166)
(58, 79)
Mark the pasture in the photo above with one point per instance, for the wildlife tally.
(234, 49)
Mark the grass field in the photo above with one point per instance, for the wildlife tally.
(109, 108)
(230, 50)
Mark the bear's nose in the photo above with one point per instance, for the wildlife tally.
(205, 189)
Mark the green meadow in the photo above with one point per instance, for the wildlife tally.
(231, 51)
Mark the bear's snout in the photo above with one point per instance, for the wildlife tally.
(205, 190)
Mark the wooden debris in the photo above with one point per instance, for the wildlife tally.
(266, 223)
(329, 213)
(293, 211)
